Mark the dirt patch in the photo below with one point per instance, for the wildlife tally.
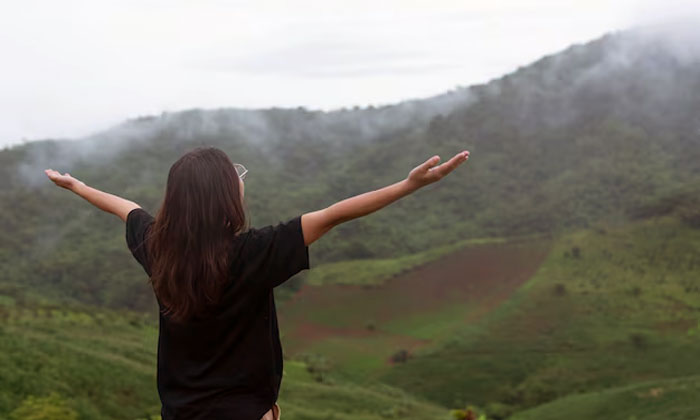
(674, 327)
(479, 277)
(307, 333)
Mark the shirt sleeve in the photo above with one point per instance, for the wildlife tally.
(281, 251)
(137, 223)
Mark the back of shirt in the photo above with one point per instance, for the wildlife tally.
(228, 365)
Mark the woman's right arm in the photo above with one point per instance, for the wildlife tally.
(315, 224)
(110, 203)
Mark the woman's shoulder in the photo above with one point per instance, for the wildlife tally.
(139, 216)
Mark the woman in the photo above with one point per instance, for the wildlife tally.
(219, 352)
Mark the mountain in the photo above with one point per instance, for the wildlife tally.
(553, 276)
(598, 132)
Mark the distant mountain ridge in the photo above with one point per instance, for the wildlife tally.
(587, 135)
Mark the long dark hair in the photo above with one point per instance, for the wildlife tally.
(190, 240)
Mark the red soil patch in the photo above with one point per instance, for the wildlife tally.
(674, 327)
(481, 277)
(306, 333)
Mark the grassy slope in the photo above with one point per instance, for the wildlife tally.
(603, 323)
(609, 307)
(101, 364)
(670, 399)
(301, 398)
(358, 327)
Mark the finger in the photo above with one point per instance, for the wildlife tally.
(53, 175)
(430, 163)
(451, 164)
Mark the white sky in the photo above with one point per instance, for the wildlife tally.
(72, 67)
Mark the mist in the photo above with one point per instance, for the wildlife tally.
(651, 50)
(114, 64)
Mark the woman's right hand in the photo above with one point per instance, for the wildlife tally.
(427, 173)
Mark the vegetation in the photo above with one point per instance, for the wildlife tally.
(581, 302)
(556, 145)
(52, 407)
(76, 363)
(667, 399)
(91, 363)
(302, 397)
(631, 299)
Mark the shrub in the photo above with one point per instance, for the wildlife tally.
(559, 289)
(576, 252)
(317, 365)
(400, 356)
(639, 341)
(51, 407)
(467, 414)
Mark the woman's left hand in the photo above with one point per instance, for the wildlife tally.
(66, 180)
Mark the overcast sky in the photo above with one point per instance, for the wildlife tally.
(70, 68)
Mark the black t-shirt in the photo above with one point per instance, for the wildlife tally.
(228, 366)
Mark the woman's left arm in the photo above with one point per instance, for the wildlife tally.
(100, 199)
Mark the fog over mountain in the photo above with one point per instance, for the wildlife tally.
(591, 134)
(654, 53)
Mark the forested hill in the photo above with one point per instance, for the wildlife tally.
(600, 132)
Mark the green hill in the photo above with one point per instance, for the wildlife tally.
(672, 399)
(554, 273)
(598, 321)
(589, 134)
(609, 307)
(90, 363)
(101, 364)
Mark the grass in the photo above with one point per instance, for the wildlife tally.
(102, 362)
(671, 399)
(360, 328)
(609, 307)
(88, 363)
(302, 398)
(607, 327)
